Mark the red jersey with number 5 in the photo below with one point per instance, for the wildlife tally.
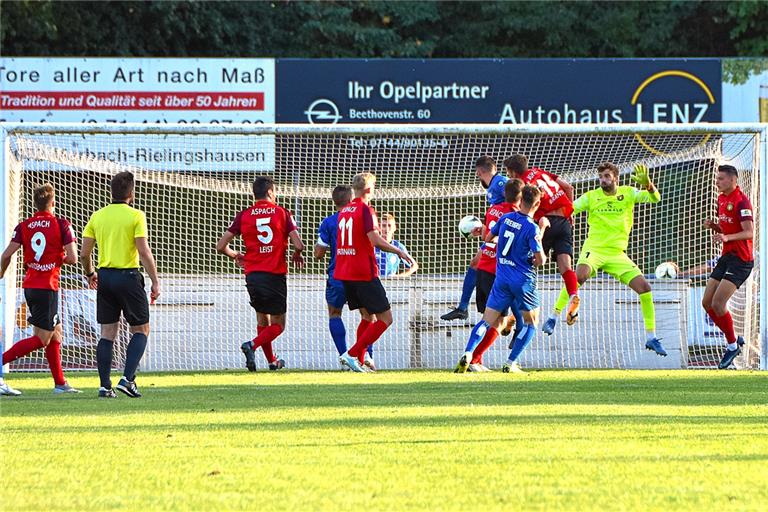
(487, 260)
(264, 227)
(732, 210)
(355, 257)
(552, 195)
(43, 237)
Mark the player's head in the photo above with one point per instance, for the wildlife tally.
(516, 165)
(530, 200)
(608, 174)
(122, 186)
(727, 177)
(363, 184)
(485, 168)
(513, 190)
(43, 197)
(264, 188)
(388, 227)
(341, 195)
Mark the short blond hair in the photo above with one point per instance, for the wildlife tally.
(389, 216)
(362, 181)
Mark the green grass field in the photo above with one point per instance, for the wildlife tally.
(550, 440)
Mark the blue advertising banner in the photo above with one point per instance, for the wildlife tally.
(498, 91)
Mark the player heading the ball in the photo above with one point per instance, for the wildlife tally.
(356, 268)
(734, 228)
(266, 228)
(610, 215)
(47, 242)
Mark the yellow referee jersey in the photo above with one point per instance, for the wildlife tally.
(114, 228)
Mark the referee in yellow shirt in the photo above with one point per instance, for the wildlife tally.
(120, 231)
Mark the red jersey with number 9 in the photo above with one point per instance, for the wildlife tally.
(264, 227)
(355, 257)
(552, 195)
(43, 237)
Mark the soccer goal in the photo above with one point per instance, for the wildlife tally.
(193, 179)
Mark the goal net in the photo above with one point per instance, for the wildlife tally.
(192, 180)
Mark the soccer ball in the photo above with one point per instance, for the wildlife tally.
(468, 224)
(667, 270)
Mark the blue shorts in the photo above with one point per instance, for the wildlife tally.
(505, 295)
(334, 293)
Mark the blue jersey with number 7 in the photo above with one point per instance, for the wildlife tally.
(518, 242)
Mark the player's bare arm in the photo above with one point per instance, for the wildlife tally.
(148, 260)
(747, 233)
(378, 241)
(85, 260)
(5, 259)
(222, 247)
(409, 271)
(298, 248)
(70, 253)
(566, 187)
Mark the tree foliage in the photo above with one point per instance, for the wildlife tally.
(370, 29)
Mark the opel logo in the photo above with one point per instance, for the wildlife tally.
(323, 111)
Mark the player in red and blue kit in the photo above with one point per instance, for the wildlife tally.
(485, 170)
(357, 269)
(518, 250)
(334, 289)
(734, 228)
(48, 242)
(266, 228)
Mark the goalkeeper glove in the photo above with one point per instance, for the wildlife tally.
(641, 175)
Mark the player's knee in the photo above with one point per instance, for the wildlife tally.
(142, 329)
(719, 306)
(385, 317)
(706, 303)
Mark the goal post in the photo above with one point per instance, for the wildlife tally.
(193, 179)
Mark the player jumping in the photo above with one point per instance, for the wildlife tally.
(610, 211)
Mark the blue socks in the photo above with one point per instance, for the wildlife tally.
(477, 335)
(519, 321)
(522, 341)
(133, 354)
(470, 280)
(338, 333)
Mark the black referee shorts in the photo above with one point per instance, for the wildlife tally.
(732, 268)
(43, 308)
(121, 290)
(268, 292)
(558, 237)
(367, 294)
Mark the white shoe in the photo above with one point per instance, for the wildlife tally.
(350, 362)
(511, 368)
(477, 367)
(7, 390)
(369, 362)
(65, 388)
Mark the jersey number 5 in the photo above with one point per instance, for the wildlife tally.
(38, 245)
(265, 231)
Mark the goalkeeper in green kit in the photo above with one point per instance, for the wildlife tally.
(610, 213)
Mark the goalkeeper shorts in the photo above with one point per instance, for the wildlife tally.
(616, 264)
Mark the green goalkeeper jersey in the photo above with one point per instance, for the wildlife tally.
(610, 217)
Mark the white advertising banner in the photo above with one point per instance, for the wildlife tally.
(137, 90)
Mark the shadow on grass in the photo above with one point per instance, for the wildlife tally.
(712, 389)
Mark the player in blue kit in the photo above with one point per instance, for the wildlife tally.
(485, 170)
(518, 251)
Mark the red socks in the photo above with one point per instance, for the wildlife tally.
(266, 335)
(22, 348)
(725, 324)
(53, 355)
(571, 282)
(490, 336)
(369, 337)
(361, 328)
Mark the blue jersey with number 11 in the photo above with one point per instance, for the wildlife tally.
(518, 242)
